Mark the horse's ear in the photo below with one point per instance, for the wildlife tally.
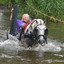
(36, 21)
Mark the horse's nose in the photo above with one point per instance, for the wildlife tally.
(41, 41)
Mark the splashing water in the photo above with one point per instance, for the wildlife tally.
(13, 44)
(10, 45)
(52, 46)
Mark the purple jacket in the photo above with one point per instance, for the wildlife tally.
(20, 24)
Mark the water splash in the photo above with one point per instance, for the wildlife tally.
(52, 46)
(12, 44)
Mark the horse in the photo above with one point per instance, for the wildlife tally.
(35, 33)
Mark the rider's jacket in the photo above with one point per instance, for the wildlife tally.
(21, 24)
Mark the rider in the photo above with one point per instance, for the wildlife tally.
(22, 23)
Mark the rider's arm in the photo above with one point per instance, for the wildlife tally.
(20, 24)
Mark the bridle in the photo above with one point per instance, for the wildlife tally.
(34, 36)
(33, 33)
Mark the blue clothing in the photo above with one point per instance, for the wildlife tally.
(20, 24)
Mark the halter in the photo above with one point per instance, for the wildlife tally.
(29, 25)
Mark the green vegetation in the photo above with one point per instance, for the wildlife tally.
(43, 9)
(3, 2)
(53, 8)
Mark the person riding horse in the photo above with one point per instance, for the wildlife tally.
(22, 24)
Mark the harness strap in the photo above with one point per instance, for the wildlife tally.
(26, 25)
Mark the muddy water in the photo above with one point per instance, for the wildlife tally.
(12, 52)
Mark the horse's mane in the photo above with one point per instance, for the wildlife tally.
(34, 23)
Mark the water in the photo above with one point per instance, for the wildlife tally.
(12, 52)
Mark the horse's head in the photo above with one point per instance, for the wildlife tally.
(39, 31)
(36, 31)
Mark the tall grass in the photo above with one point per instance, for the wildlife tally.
(51, 7)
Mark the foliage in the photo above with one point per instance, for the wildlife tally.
(3, 2)
(53, 8)
(50, 7)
